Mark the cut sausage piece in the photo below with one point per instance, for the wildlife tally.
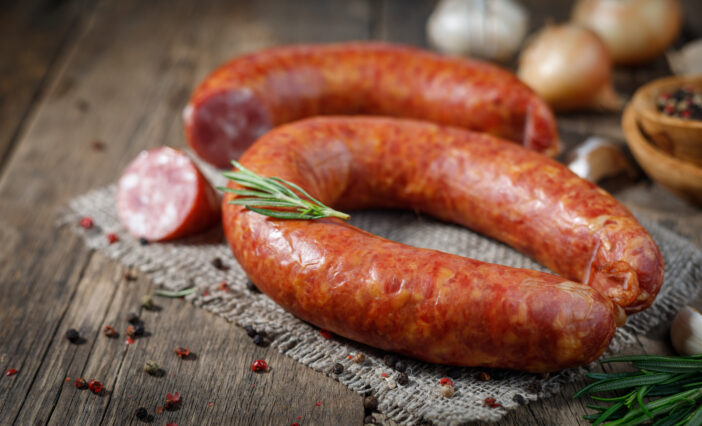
(162, 195)
(428, 304)
(251, 94)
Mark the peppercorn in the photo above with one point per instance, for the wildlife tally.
(390, 360)
(151, 367)
(72, 335)
(401, 366)
(359, 358)
(402, 379)
(133, 318)
(130, 331)
(252, 287)
(258, 340)
(369, 420)
(143, 241)
(492, 403)
(146, 302)
(447, 391)
(446, 381)
(86, 222)
(172, 400)
(95, 386)
(370, 403)
(337, 368)
(112, 238)
(250, 331)
(182, 352)
(483, 376)
(259, 365)
(217, 263)
(10, 372)
(110, 331)
(80, 383)
(139, 329)
(141, 413)
(519, 399)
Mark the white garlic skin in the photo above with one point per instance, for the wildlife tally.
(489, 29)
(686, 331)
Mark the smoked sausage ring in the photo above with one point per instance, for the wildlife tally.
(253, 93)
(432, 305)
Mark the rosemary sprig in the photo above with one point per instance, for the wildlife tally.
(169, 293)
(676, 380)
(260, 193)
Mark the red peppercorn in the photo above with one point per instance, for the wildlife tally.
(130, 331)
(446, 381)
(112, 238)
(95, 386)
(318, 403)
(384, 374)
(223, 286)
(490, 402)
(259, 365)
(86, 222)
(129, 341)
(295, 424)
(80, 383)
(172, 400)
(326, 334)
(182, 352)
(109, 331)
(11, 372)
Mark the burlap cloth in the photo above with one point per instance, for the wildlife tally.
(188, 262)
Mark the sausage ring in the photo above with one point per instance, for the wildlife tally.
(253, 93)
(432, 305)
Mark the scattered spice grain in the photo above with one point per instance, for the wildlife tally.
(259, 366)
(370, 403)
(72, 335)
(10, 372)
(86, 222)
(110, 332)
(80, 383)
(337, 368)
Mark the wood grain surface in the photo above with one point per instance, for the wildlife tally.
(84, 86)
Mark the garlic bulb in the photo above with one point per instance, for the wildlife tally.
(686, 331)
(490, 29)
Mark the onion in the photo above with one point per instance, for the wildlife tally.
(634, 31)
(570, 68)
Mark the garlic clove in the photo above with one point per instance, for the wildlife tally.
(686, 331)
(598, 158)
(688, 60)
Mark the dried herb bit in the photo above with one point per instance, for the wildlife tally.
(141, 413)
(370, 403)
(369, 420)
(110, 332)
(152, 368)
(259, 366)
(146, 302)
(182, 352)
(260, 192)
(73, 336)
(671, 384)
(337, 368)
(402, 379)
(181, 293)
(80, 383)
(172, 401)
(95, 386)
(10, 372)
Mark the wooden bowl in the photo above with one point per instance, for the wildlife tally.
(678, 137)
(681, 177)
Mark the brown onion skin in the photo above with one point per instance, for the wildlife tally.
(631, 45)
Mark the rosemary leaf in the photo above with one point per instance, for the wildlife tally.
(168, 293)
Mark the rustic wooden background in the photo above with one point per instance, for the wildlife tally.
(75, 74)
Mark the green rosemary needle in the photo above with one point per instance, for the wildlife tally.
(671, 384)
(260, 193)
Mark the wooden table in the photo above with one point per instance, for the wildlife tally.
(85, 86)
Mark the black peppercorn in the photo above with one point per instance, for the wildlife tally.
(390, 360)
(250, 331)
(337, 368)
(402, 379)
(143, 241)
(519, 399)
(369, 420)
(139, 329)
(258, 340)
(72, 335)
(133, 318)
(252, 287)
(217, 263)
(370, 403)
(141, 413)
(401, 366)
